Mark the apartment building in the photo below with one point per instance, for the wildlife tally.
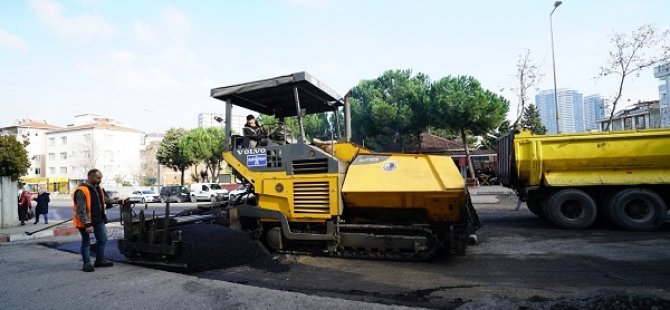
(103, 144)
(34, 133)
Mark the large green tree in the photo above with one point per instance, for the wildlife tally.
(531, 120)
(205, 144)
(316, 125)
(14, 161)
(171, 154)
(460, 104)
(391, 109)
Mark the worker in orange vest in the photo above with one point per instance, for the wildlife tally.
(89, 217)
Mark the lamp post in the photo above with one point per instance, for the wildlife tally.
(553, 61)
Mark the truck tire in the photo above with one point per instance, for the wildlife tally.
(637, 209)
(571, 209)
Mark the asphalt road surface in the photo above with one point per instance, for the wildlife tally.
(521, 261)
(520, 258)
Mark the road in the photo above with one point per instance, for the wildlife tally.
(521, 261)
(60, 210)
(520, 257)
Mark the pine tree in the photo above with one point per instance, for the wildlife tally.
(531, 120)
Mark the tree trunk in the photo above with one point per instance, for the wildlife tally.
(616, 100)
(471, 169)
(182, 175)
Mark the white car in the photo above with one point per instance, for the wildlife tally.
(144, 196)
(237, 192)
(208, 191)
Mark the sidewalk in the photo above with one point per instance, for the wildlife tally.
(490, 190)
(18, 233)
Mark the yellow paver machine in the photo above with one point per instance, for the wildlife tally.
(332, 198)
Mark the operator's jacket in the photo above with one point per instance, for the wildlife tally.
(255, 134)
(89, 206)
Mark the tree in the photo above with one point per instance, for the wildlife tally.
(205, 144)
(527, 74)
(462, 105)
(531, 119)
(171, 154)
(391, 109)
(646, 47)
(14, 161)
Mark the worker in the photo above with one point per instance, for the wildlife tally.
(90, 217)
(254, 135)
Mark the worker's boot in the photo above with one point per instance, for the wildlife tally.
(88, 267)
(103, 263)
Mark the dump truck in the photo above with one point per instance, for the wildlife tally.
(572, 179)
(310, 196)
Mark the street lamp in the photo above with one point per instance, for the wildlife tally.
(553, 61)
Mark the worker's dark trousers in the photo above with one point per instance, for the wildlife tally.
(100, 233)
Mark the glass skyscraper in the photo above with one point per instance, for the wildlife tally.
(595, 109)
(570, 110)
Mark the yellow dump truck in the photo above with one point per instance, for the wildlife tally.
(571, 179)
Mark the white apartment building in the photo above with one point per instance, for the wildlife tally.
(104, 144)
(34, 132)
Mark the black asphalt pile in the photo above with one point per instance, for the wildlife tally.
(217, 247)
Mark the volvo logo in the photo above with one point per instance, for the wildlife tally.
(259, 150)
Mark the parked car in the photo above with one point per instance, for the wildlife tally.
(241, 190)
(175, 193)
(143, 196)
(208, 191)
(112, 197)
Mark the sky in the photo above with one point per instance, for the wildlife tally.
(151, 64)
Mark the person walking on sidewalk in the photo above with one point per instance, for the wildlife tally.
(42, 206)
(24, 205)
(89, 217)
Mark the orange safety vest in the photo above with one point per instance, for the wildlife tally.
(87, 193)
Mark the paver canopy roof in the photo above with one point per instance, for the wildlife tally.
(275, 96)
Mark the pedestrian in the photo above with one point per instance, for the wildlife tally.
(24, 206)
(42, 206)
(90, 217)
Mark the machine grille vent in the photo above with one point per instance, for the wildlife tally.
(311, 197)
(319, 165)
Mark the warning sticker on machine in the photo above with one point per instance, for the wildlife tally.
(257, 160)
(369, 159)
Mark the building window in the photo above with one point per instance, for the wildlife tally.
(640, 122)
(628, 123)
(63, 155)
(52, 156)
(63, 170)
(52, 170)
(63, 140)
(37, 171)
(37, 158)
(52, 141)
(86, 154)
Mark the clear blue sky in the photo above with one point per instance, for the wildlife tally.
(151, 64)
